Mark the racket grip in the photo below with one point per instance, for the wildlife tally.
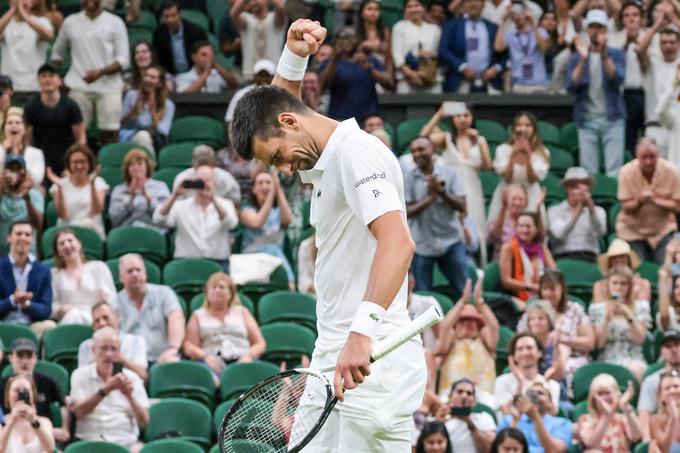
(403, 334)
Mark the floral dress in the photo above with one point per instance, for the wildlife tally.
(614, 439)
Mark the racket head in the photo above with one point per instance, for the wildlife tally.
(280, 414)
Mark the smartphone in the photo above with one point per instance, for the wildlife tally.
(193, 184)
(461, 411)
(533, 397)
(452, 108)
(117, 368)
(675, 269)
(24, 396)
(616, 297)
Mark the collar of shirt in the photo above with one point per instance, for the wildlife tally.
(31, 259)
(180, 32)
(342, 130)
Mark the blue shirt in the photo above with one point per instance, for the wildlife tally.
(478, 55)
(179, 54)
(558, 427)
(353, 91)
(21, 279)
(527, 62)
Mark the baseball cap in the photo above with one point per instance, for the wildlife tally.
(47, 67)
(23, 344)
(670, 335)
(597, 17)
(265, 65)
(11, 158)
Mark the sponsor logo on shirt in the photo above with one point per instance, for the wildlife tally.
(369, 178)
(374, 317)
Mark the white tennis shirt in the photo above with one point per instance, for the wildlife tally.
(356, 180)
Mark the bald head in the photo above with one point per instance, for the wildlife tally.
(647, 154)
(132, 273)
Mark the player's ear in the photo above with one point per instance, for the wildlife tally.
(289, 121)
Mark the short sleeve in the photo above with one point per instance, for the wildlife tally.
(169, 300)
(506, 422)
(625, 190)
(483, 421)
(74, 113)
(37, 200)
(138, 392)
(643, 313)
(648, 393)
(596, 312)
(500, 162)
(100, 184)
(562, 430)
(78, 389)
(368, 179)
(409, 192)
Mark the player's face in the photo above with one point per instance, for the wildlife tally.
(435, 443)
(294, 150)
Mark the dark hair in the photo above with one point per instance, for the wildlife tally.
(373, 115)
(670, 31)
(554, 277)
(518, 336)
(58, 262)
(627, 4)
(512, 433)
(136, 71)
(361, 27)
(454, 133)
(430, 428)
(20, 222)
(463, 381)
(257, 115)
(86, 151)
(536, 217)
(423, 3)
(198, 45)
(167, 4)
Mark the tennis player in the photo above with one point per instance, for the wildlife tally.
(364, 251)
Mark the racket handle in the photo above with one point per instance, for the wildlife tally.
(403, 334)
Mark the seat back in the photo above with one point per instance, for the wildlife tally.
(287, 341)
(131, 239)
(287, 306)
(185, 379)
(188, 419)
(89, 446)
(239, 377)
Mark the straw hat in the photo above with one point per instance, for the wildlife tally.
(616, 248)
(578, 174)
(470, 312)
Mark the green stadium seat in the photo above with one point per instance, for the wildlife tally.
(171, 446)
(641, 448)
(580, 408)
(217, 9)
(575, 448)
(219, 413)
(480, 408)
(492, 130)
(93, 246)
(112, 155)
(215, 449)
(146, 21)
(555, 191)
(98, 446)
(197, 17)
(137, 35)
(287, 341)
(444, 301)
(505, 334)
(177, 155)
(51, 214)
(569, 137)
(560, 161)
(167, 175)
(492, 277)
(611, 217)
(51, 369)
(112, 175)
(178, 416)
(287, 306)
(410, 129)
(550, 134)
(187, 276)
(239, 377)
(489, 180)
(249, 446)
(654, 367)
(580, 276)
(184, 379)
(60, 345)
(130, 239)
(584, 375)
(605, 190)
(306, 206)
(10, 332)
(650, 271)
(277, 281)
(153, 272)
(214, 43)
(198, 129)
(391, 15)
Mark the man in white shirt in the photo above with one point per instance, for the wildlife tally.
(469, 432)
(262, 31)
(110, 407)
(132, 347)
(202, 221)
(358, 211)
(206, 76)
(99, 53)
(264, 71)
(226, 185)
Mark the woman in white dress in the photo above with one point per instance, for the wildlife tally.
(24, 430)
(523, 160)
(77, 284)
(17, 141)
(468, 152)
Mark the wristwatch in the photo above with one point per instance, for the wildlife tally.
(35, 424)
(102, 393)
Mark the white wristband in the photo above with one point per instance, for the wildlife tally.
(291, 67)
(368, 318)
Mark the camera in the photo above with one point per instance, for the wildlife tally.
(533, 396)
(24, 395)
(193, 184)
(462, 411)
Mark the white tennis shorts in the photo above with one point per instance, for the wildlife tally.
(375, 416)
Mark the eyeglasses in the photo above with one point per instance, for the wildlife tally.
(671, 373)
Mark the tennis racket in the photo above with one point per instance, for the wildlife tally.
(284, 413)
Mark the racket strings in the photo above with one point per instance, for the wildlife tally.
(277, 416)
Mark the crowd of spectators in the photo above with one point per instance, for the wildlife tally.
(506, 366)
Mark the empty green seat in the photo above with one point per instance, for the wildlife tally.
(51, 214)
(569, 136)
(198, 129)
(489, 180)
(410, 129)
(188, 419)
(131, 239)
(185, 379)
(287, 306)
(171, 446)
(112, 175)
(580, 276)
(93, 245)
(492, 130)
(112, 155)
(137, 35)
(187, 276)
(554, 190)
(167, 175)
(216, 9)
(61, 344)
(197, 17)
(550, 134)
(10, 332)
(584, 375)
(277, 281)
(287, 341)
(146, 20)
(492, 277)
(98, 446)
(239, 377)
(605, 191)
(219, 413)
(177, 155)
(560, 161)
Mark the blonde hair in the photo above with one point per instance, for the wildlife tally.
(602, 381)
(221, 277)
(626, 272)
(545, 307)
(18, 111)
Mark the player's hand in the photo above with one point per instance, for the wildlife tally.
(354, 364)
(305, 37)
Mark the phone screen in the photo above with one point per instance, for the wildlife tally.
(452, 108)
(117, 367)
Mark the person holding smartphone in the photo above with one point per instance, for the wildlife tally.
(531, 413)
(469, 431)
(24, 430)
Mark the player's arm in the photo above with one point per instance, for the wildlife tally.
(302, 40)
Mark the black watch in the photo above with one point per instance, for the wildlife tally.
(102, 393)
(35, 424)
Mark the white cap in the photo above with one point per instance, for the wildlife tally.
(597, 16)
(264, 65)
